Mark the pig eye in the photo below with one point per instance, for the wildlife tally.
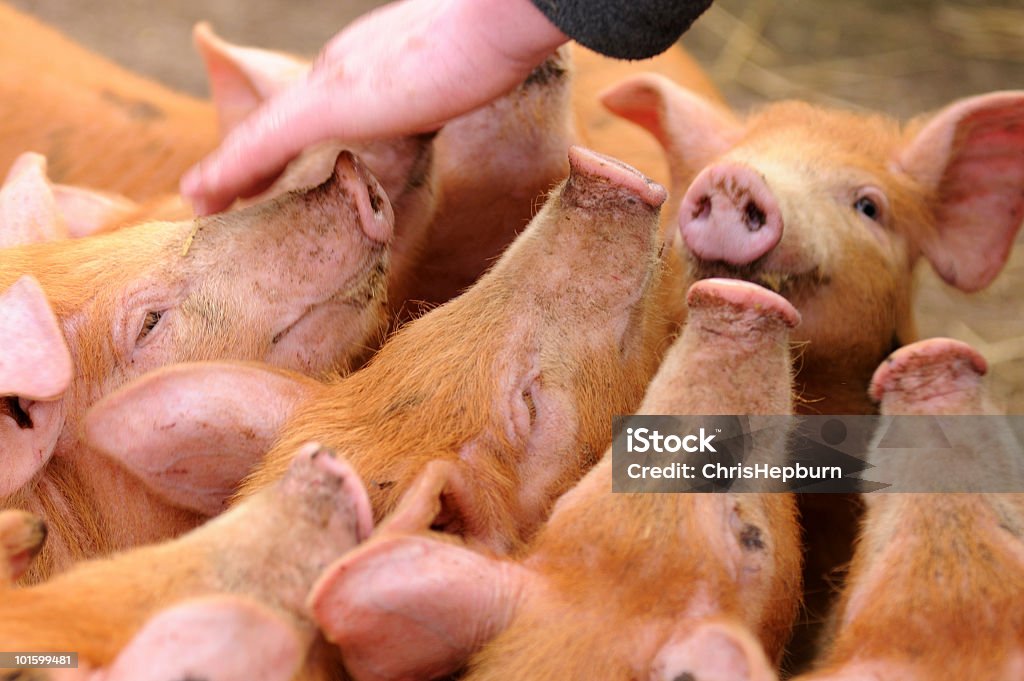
(152, 319)
(867, 207)
(871, 205)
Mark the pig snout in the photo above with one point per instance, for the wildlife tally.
(939, 375)
(728, 301)
(376, 216)
(320, 478)
(593, 166)
(729, 214)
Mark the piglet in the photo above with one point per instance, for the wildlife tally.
(832, 209)
(491, 167)
(616, 585)
(511, 385)
(100, 124)
(297, 282)
(228, 595)
(935, 586)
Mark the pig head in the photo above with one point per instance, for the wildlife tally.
(616, 585)
(514, 381)
(491, 168)
(935, 585)
(832, 209)
(227, 595)
(508, 388)
(297, 282)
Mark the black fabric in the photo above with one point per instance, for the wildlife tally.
(626, 29)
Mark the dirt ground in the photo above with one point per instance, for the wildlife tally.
(902, 58)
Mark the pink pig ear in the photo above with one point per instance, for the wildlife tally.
(971, 155)
(35, 363)
(217, 638)
(192, 432)
(88, 211)
(35, 369)
(713, 650)
(242, 77)
(437, 601)
(28, 211)
(692, 130)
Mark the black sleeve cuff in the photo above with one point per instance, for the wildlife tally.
(625, 29)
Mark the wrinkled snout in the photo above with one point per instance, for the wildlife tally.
(729, 214)
(593, 170)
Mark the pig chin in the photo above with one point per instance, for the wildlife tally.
(793, 284)
(327, 335)
(325, 338)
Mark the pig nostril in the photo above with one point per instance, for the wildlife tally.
(755, 216)
(374, 199)
(703, 208)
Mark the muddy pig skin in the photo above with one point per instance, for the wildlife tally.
(616, 585)
(832, 209)
(99, 124)
(936, 585)
(266, 551)
(297, 283)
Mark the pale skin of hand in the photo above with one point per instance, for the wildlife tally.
(407, 67)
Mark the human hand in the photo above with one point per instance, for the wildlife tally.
(404, 68)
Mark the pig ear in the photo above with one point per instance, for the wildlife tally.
(440, 499)
(192, 432)
(971, 156)
(28, 211)
(717, 650)
(35, 363)
(439, 603)
(242, 77)
(35, 368)
(218, 638)
(692, 130)
(21, 537)
(400, 164)
(87, 211)
(437, 495)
